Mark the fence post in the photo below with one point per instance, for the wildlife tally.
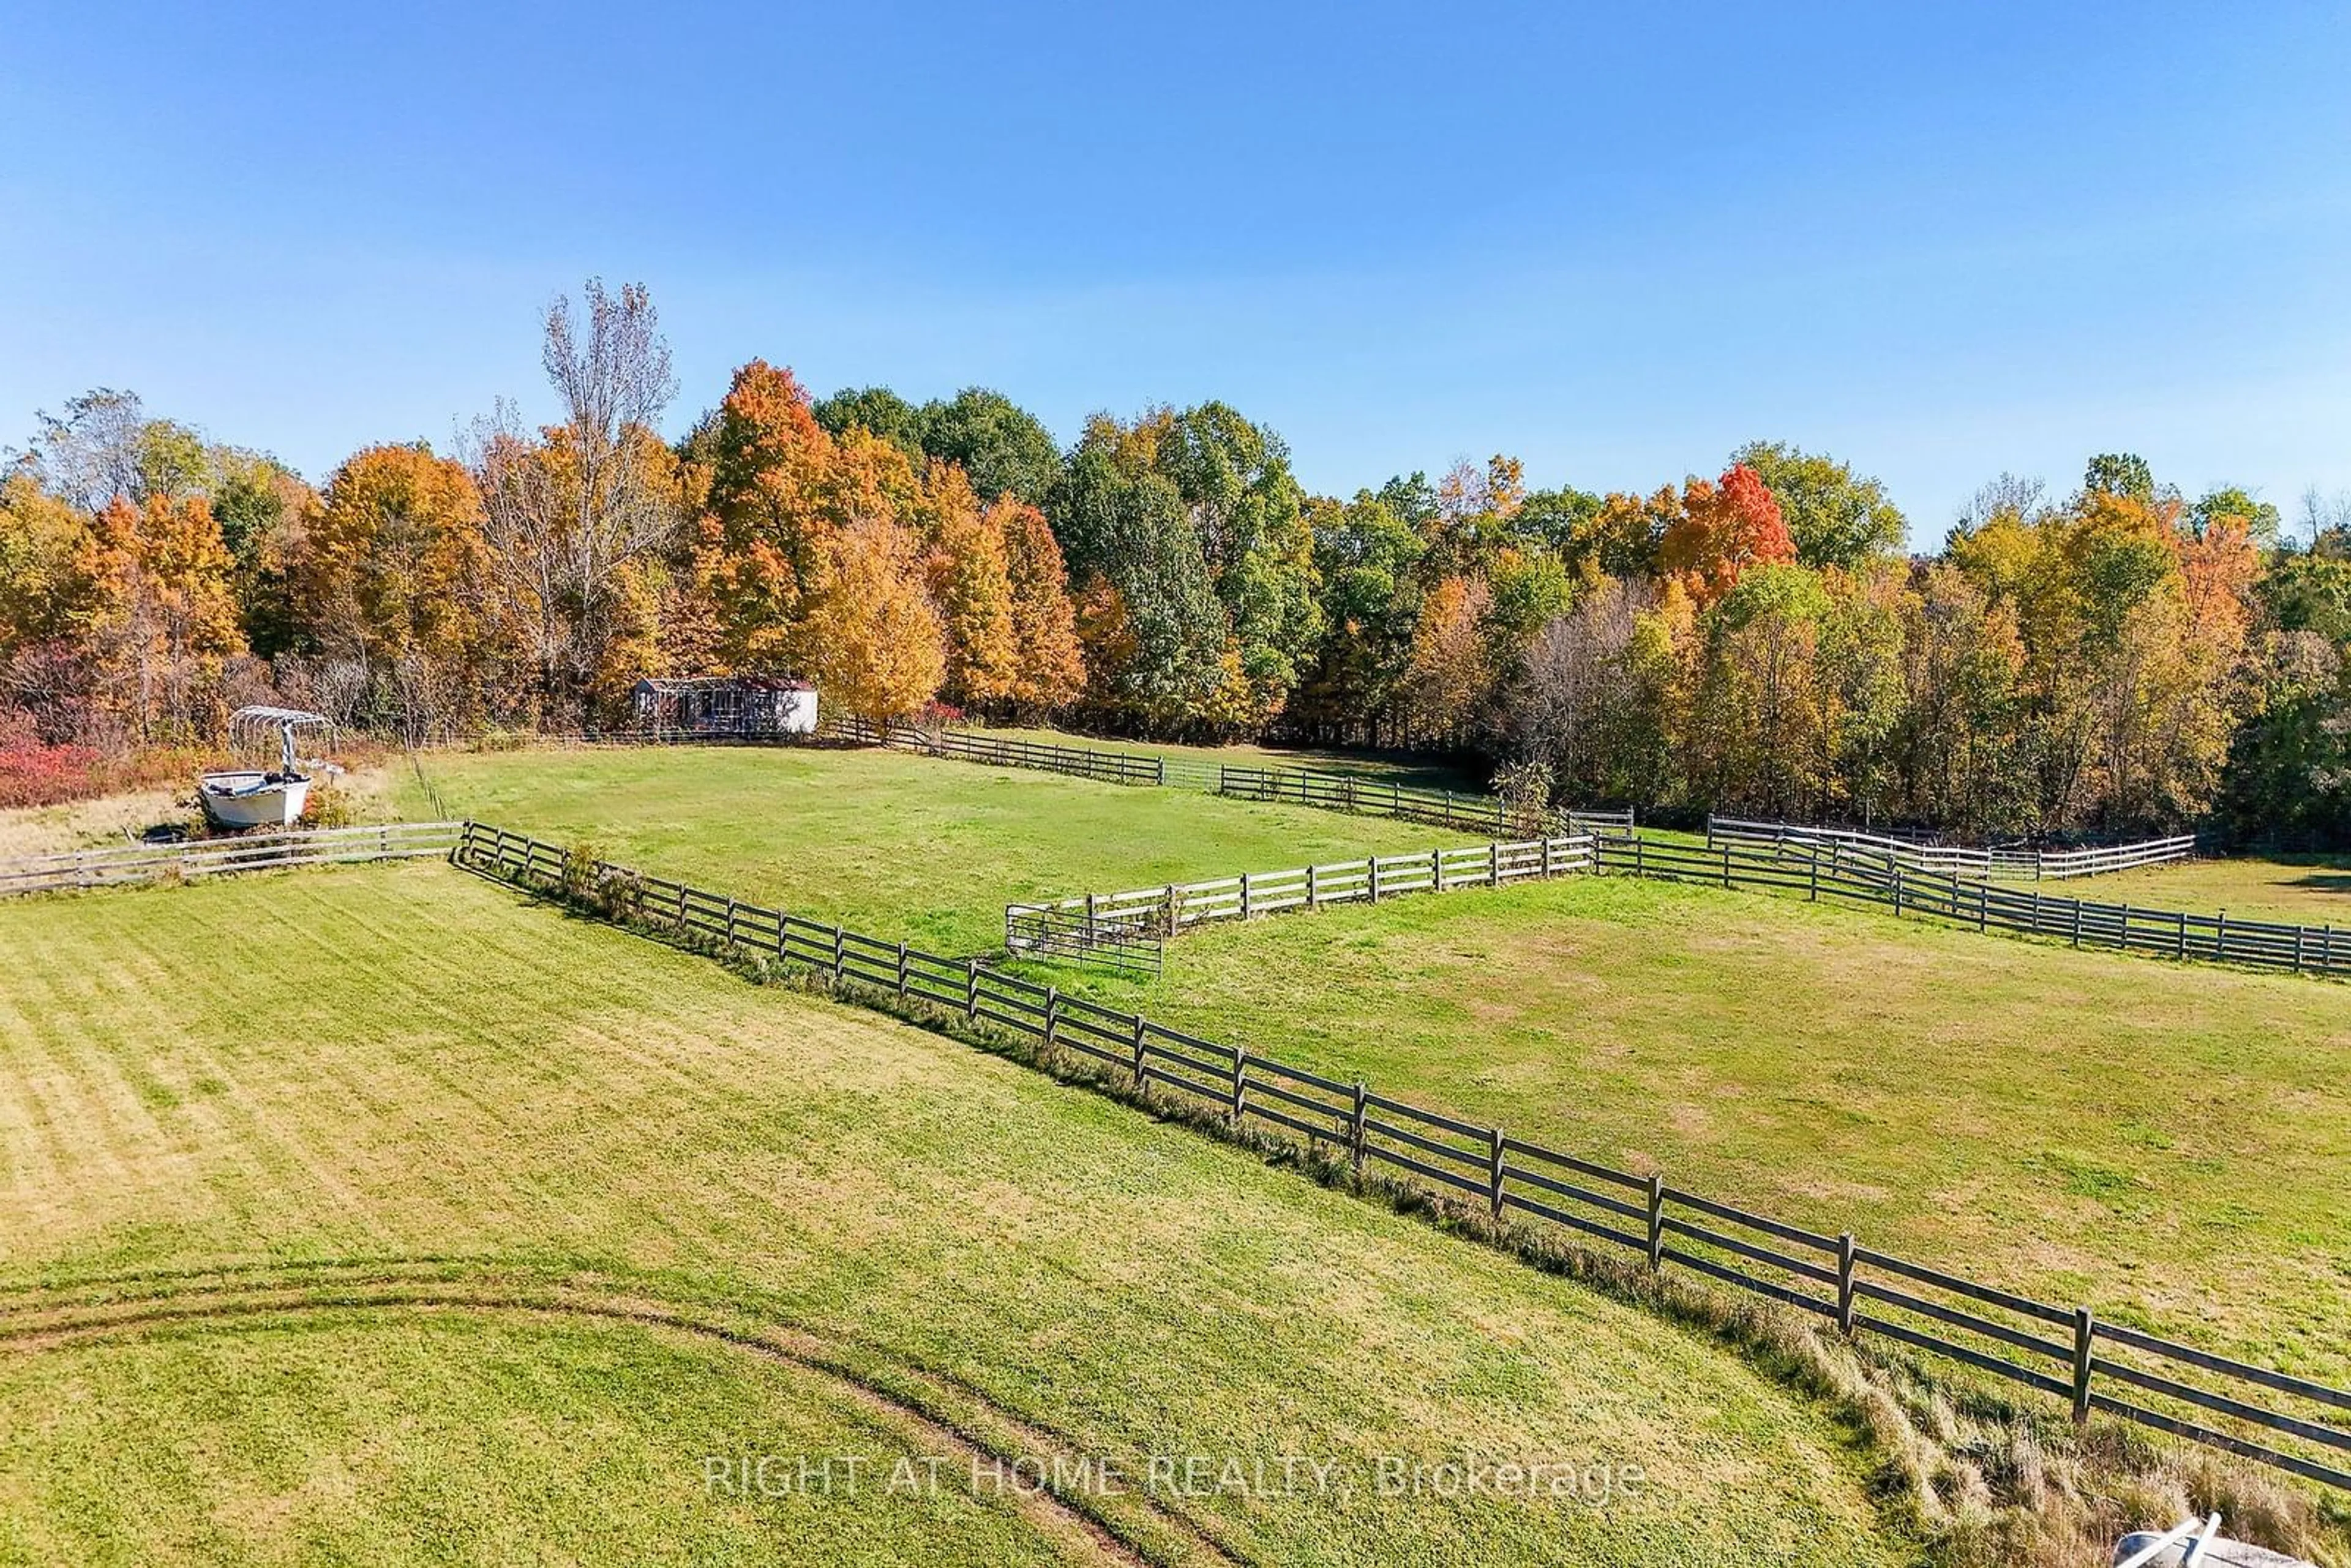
(2297, 948)
(2077, 923)
(730, 923)
(2221, 936)
(1052, 1014)
(840, 953)
(1896, 867)
(1355, 1126)
(1844, 1282)
(971, 990)
(2123, 940)
(1657, 1220)
(1245, 896)
(1494, 1174)
(1313, 889)
(1375, 863)
(2084, 1327)
(1172, 905)
(1494, 864)
(902, 971)
(1640, 857)
(1138, 1053)
(1240, 1064)
(1437, 869)
(1546, 850)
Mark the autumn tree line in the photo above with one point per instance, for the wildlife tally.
(2114, 658)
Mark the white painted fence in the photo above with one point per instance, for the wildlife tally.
(2018, 864)
(133, 864)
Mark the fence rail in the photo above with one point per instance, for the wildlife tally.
(1833, 870)
(1129, 940)
(2011, 863)
(1167, 911)
(1385, 798)
(1001, 751)
(2068, 1353)
(130, 864)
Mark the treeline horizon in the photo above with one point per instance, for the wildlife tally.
(2115, 658)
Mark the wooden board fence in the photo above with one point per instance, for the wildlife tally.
(1169, 910)
(1001, 751)
(2018, 863)
(1873, 877)
(2069, 1354)
(133, 864)
(1371, 797)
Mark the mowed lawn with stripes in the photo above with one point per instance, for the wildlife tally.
(383, 1215)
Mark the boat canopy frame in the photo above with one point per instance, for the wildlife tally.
(249, 726)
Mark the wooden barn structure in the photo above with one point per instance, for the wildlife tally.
(723, 707)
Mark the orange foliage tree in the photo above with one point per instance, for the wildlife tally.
(161, 619)
(1723, 530)
(1049, 667)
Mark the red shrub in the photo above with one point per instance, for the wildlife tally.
(31, 774)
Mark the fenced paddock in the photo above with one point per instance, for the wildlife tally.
(2069, 1354)
(2020, 863)
(133, 864)
(1061, 929)
(1385, 798)
(1873, 877)
(997, 751)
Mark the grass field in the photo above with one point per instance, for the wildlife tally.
(894, 844)
(2167, 1142)
(380, 1215)
(2299, 890)
(410, 1437)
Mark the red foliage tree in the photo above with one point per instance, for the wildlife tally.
(1724, 528)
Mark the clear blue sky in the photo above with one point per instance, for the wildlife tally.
(1611, 241)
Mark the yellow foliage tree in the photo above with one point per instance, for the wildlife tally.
(391, 563)
(873, 640)
(1449, 671)
(971, 583)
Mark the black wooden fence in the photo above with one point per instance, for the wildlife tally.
(1371, 797)
(2070, 1353)
(1005, 751)
(1833, 870)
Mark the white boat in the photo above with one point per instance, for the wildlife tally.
(255, 797)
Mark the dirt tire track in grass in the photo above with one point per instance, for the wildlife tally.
(1145, 1532)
